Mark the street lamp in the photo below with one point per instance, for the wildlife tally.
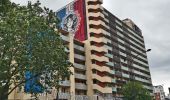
(148, 50)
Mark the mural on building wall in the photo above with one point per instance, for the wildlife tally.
(73, 19)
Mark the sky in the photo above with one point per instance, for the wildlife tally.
(153, 18)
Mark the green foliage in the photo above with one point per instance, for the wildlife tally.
(135, 91)
(29, 42)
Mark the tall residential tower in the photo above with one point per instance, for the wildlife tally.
(98, 44)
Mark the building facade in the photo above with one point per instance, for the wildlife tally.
(98, 42)
(159, 92)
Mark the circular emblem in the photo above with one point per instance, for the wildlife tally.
(70, 23)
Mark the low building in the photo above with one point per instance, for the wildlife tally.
(159, 93)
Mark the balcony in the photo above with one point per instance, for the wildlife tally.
(101, 68)
(119, 28)
(93, 22)
(99, 49)
(96, 14)
(142, 74)
(105, 13)
(110, 64)
(109, 41)
(141, 68)
(114, 89)
(98, 31)
(101, 89)
(112, 72)
(64, 83)
(126, 75)
(81, 57)
(78, 47)
(118, 73)
(95, 7)
(81, 86)
(81, 97)
(108, 47)
(100, 58)
(109, 55)
(65, 38)
(123, 54)
(79, 66)
(143, 80)
(102, 79)
(53, 96)
(64, 96)
(99, 40)
(80, 76)
(66, 50)
(125, 68)
(113, 80)
(96, 0)
(148, 87)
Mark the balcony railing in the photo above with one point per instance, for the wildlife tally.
(79, 47)
(113, 80)
(102, 78)
(101, 68)
(80, 76)
(65, 83)
(125, 75)
(81, 86)
(112, 71)
(65, 38)
(110, 64)
(99, 58)
(64, 95)
(109, 55)
(125, 68)
(102, 89)
(142, 80)
(99, 49)
(148, 87)
(114, 89)
(52, 96)
(79, 66)
(142, 74)
(95, 6)
(96, 0)
(82, 97)
(118, 73)
(81, 57)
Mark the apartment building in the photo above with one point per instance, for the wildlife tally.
(159, 92)
(107, 42)
(98, 44)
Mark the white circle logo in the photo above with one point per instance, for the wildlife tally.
(70, 23)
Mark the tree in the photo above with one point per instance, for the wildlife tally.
(29, 47)
(135, 91)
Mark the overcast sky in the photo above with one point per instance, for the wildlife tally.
(153, 17)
